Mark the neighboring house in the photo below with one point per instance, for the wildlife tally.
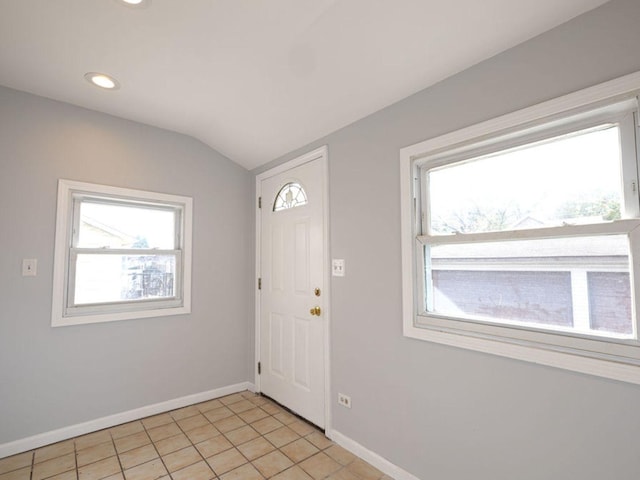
(97, 235)
(527, 222)
(585, 284)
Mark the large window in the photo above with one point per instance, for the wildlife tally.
(120, 254)
(520, 235)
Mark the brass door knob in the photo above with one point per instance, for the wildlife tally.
(315, 311)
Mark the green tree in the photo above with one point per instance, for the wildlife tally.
(605, 205)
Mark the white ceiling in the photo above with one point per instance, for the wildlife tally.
(255, 79)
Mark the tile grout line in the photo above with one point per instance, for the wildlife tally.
(283, 425)
(154, 447)
(113, 442)
(75, 457)
(224, 434)
(234, 446)
(261, 435)
(193, 445)
(77, 451)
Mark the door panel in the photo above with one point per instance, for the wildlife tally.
(275, 345)
(301, 353)
(277, 259)
(301, 257)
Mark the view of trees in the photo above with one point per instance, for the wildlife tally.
(606, 206)
(487, 218)
(478, 219)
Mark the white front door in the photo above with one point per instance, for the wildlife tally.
(292, 296)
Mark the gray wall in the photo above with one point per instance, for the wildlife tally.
(447, 413)
(55, 377)
(438, 412)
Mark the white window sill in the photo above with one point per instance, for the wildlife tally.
(568, 361)
(60, 321)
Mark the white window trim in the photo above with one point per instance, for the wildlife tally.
(527, 351)
(66, 190)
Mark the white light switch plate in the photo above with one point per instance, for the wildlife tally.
(337, 267)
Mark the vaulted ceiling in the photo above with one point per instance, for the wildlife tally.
(255, 79)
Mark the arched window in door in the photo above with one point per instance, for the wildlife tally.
(290, 196)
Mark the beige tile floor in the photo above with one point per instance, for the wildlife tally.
(241, 436)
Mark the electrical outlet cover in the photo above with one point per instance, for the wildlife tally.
(29, 267)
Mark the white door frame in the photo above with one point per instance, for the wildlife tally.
(320, 154)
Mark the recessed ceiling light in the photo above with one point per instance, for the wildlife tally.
(102, 80)
(134, 3)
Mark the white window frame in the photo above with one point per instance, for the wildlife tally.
(70, 195)
(601, 356)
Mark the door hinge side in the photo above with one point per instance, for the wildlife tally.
(259, 368)
(260, 284)
(259, 202)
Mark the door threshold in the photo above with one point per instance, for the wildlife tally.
(298, 416)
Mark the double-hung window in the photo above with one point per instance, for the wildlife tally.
(521, 235)
(120, 254)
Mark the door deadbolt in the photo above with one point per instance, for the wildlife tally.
(317, 292)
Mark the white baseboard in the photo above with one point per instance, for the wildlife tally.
(381, 463)
(46, 438)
